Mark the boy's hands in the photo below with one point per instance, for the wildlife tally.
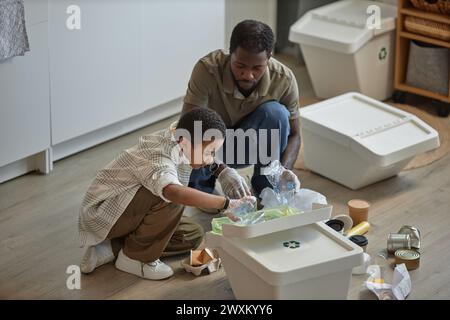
(233, 185)
(236, 204)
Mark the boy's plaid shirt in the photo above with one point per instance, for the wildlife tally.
(155, 162)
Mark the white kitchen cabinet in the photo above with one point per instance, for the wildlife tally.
(24, 100)
(128, 57)
(94, 71)
(36, 11)
(128, 66)
(177, 34)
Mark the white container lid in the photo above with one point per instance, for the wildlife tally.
(319, 213)
(380, 133)
(295, 254)
(341, 26)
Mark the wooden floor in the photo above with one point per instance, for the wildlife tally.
(39, 238)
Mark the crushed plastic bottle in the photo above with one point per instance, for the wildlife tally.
(274, 172)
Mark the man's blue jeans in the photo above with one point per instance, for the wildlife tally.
(269, 115)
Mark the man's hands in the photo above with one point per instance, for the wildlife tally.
(233, 185)
(237, 204)
(289, 181)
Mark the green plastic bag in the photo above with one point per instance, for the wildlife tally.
(254, 217)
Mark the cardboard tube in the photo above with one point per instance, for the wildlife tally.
(358, 210)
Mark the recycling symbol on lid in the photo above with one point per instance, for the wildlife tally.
(293, 244)
(382, 54)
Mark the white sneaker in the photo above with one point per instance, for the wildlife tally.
(97, 256)
(155, 270)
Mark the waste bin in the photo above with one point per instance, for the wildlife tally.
(356, 140)
(343, 54)
(293, 257)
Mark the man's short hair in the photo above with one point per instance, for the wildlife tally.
(209, 120)
(253, 36)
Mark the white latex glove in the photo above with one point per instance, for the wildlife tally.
(289, 181)
(233, 185)
(236, 204)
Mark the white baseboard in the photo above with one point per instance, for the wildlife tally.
(69, 147)
(38, 162)
(43, 161)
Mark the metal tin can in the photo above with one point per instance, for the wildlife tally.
(414, 234)
(397, 241)
(410, 258)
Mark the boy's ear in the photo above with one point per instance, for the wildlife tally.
(180, 139)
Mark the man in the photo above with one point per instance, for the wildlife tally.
(250, 90)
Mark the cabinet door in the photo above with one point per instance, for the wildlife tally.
(177, 33)
(94, 71)
(36, 11)
(24, 100)
(128, 57)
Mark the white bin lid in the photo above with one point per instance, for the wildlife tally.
(295, 254)
(380, 133)
(341, 26)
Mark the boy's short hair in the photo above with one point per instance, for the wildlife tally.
(208, 118)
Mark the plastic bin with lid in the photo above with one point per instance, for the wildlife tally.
(293, 257)
(343, 52)
(356, 140)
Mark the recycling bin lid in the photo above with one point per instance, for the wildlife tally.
(343, 26)
(378, 132)
(295, 254)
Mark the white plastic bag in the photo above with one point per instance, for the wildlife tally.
(302, 200)
(280, 195)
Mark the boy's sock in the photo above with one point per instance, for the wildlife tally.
(155, 270)
(97, 256)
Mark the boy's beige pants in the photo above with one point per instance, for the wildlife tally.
(150, 228)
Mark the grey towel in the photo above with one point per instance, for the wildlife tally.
(13, 35)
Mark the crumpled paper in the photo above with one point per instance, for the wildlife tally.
(398, 290)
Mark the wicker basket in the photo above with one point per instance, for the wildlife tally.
(444, 6)
(427, 5)
(428, 28)
(439, 6)
(428, 67)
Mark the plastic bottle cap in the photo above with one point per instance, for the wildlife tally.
(359, 240)
(337, 225)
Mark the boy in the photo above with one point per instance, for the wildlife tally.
(133, 209)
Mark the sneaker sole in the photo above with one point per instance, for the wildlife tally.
(139, 272)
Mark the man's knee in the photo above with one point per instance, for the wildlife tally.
(273, 114)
